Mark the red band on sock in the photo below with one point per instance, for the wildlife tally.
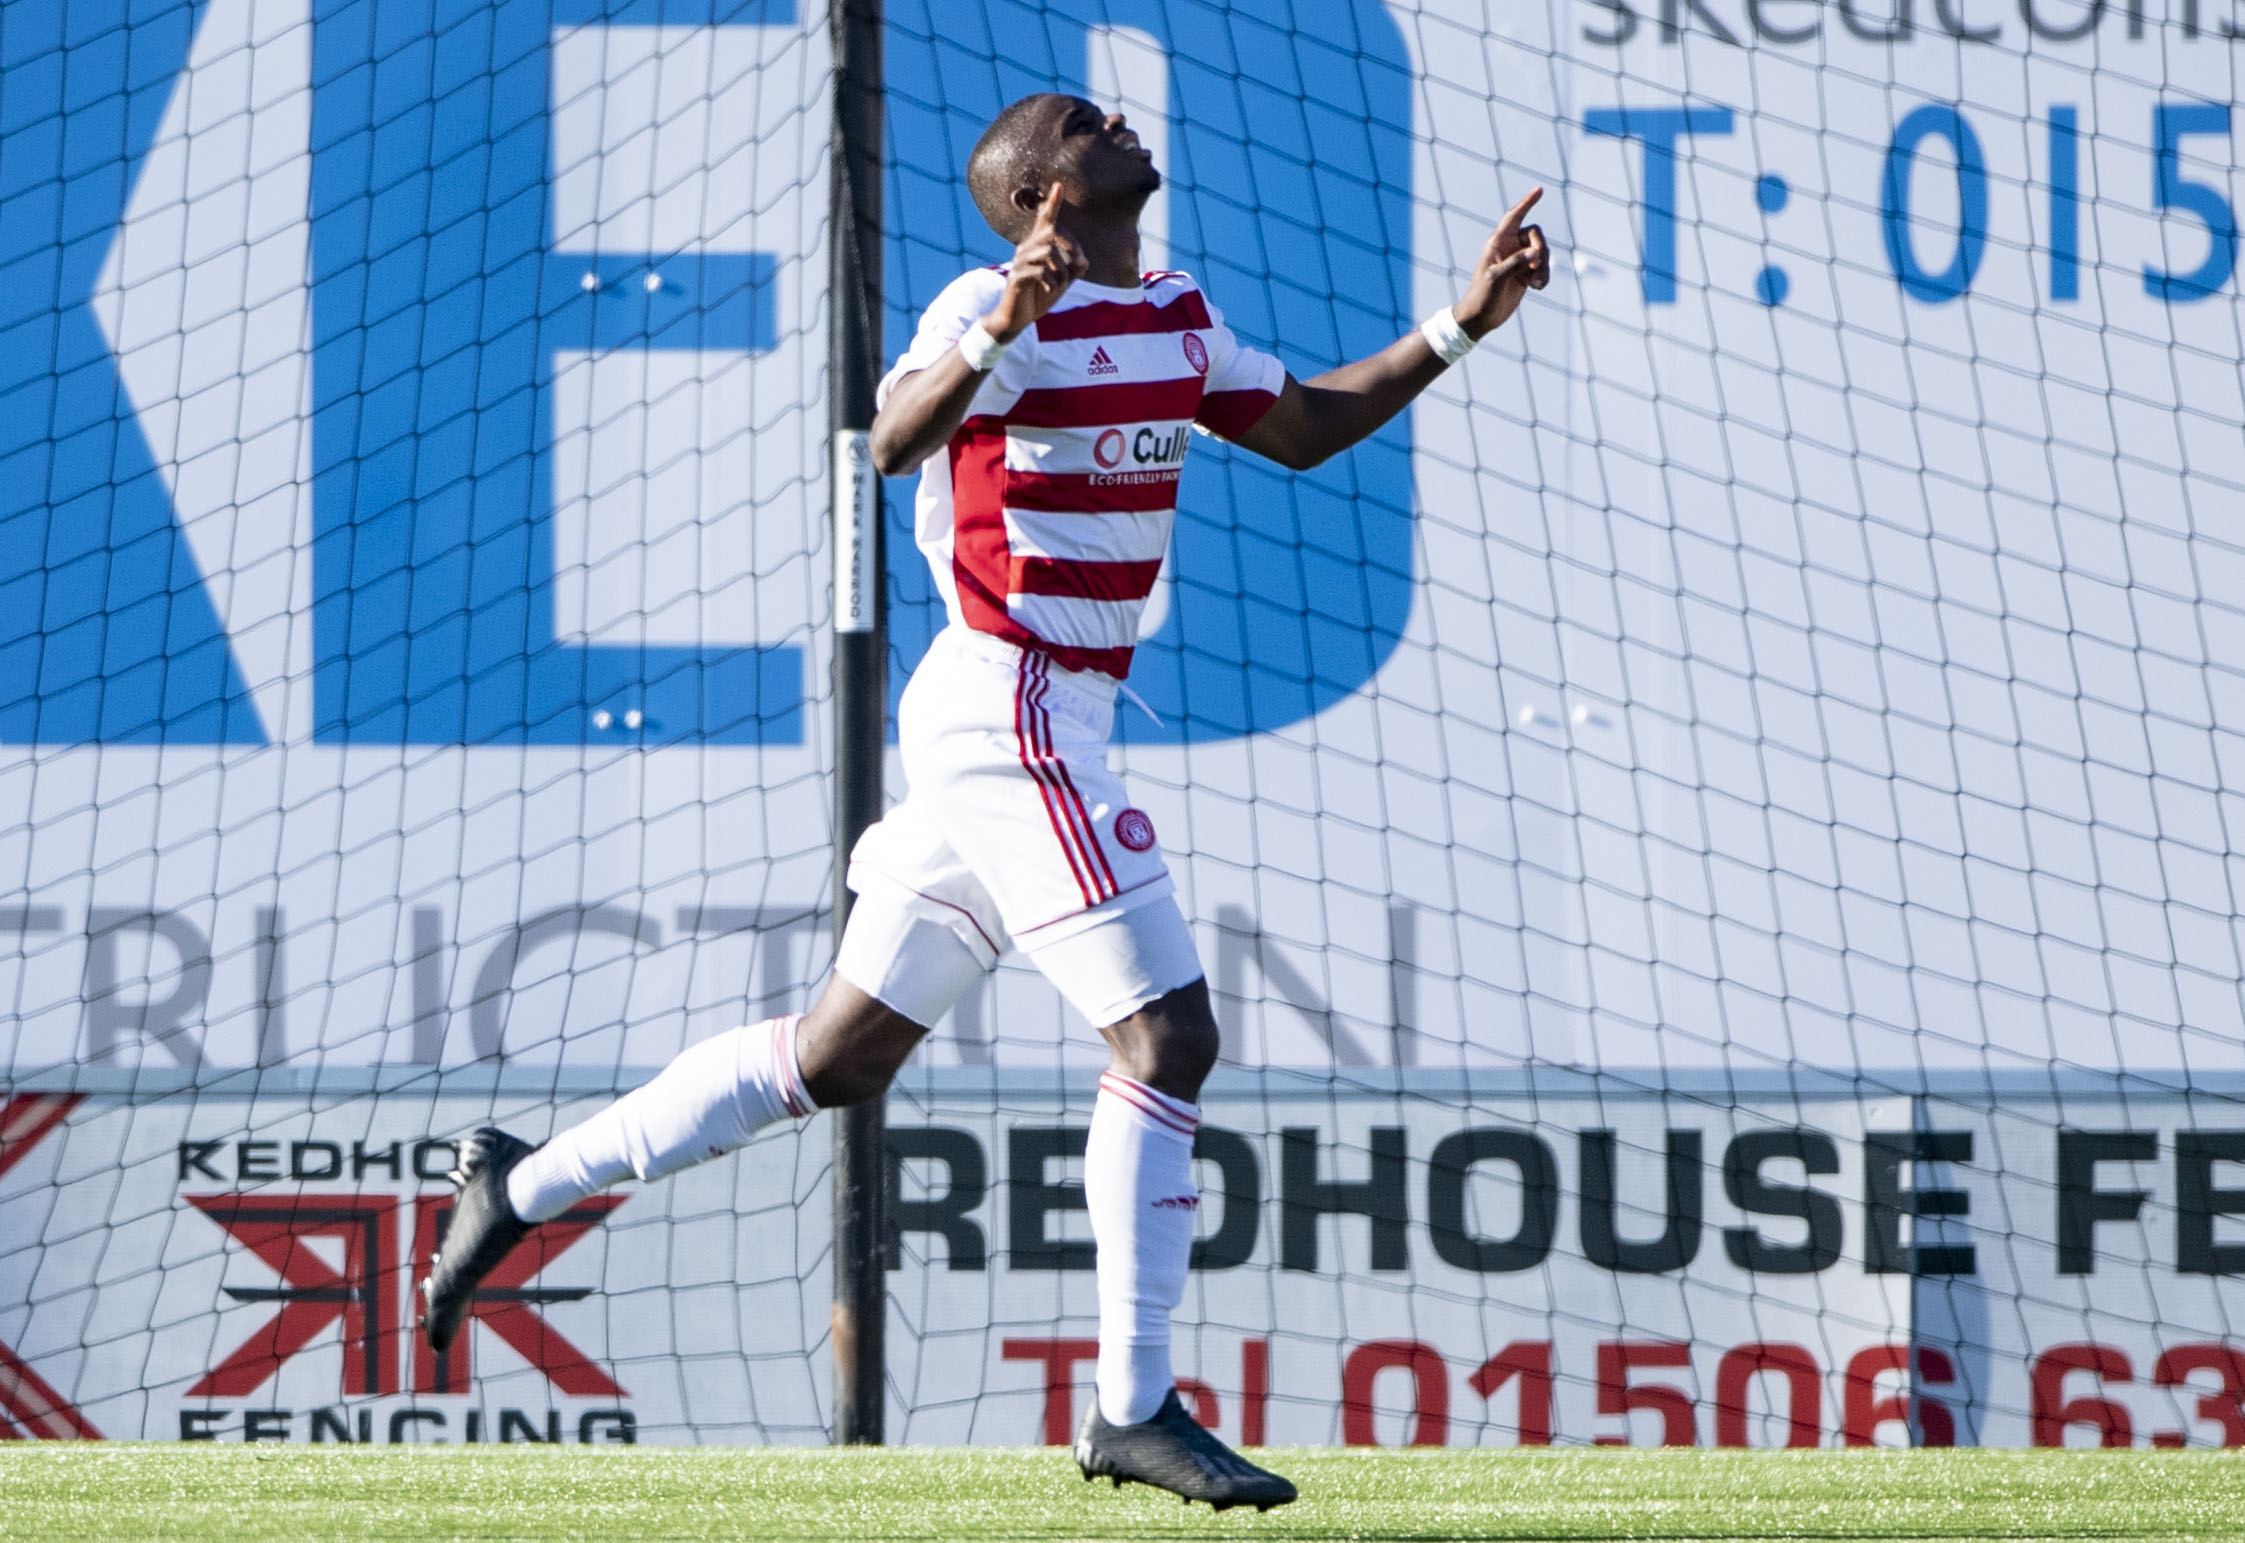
(1162, 1110)
(793, 1093)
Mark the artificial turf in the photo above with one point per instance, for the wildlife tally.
(132, 1491)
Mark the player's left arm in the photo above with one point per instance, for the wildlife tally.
(1317, 418)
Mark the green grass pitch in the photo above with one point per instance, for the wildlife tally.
(130, 1491)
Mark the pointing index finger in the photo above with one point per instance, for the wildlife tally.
(1509, 226)
(1048, 212)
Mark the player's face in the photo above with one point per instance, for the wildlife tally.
(1097, 152)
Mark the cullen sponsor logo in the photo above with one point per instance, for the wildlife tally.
(1151, 448)
(1160, 451)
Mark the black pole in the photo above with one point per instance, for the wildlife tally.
(860, 679)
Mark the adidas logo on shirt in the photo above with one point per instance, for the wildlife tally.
(1101, 364)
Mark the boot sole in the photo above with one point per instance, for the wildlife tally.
(426, 1293)
(1118, 1480)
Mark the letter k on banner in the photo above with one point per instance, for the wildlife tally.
(507, 1305)
(370, 1297)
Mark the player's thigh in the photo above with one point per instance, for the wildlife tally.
(902, 949)
(923, 928)
(902, 964)
(1112, 962)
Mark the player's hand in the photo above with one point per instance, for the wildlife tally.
(1514, 261)
(1044, 265)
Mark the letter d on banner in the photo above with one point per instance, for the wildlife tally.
(857, 509)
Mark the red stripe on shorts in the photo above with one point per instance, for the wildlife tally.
(1091, 833)
(1052, 770)
(1072, 804)
(1029, 760)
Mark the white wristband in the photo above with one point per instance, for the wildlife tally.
(1445, 336)
(981, 351)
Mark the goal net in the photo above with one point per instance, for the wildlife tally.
(1708, 834)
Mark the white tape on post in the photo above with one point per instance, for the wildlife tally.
(857, 506)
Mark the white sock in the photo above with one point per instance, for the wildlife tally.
(1138, 1182)
(709, 1100)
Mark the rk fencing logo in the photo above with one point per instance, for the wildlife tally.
(346, 1262)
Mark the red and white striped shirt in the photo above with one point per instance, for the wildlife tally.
(1046, 520)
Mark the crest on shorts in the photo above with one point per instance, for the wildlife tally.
(1134, 828)
(1196, 353)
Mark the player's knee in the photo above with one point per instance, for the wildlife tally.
(849, 1047)
(1171, 1044)
(1189, 1052)
(842, 1082)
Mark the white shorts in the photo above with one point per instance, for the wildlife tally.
(1013, 831)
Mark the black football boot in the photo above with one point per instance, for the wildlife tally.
(482, 1230)
(1172, 1451)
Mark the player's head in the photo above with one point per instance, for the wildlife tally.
(1050, 138)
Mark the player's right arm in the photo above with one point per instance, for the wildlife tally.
(925, 408)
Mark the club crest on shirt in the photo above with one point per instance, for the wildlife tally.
(1196, 353)
(1135, 830)
(1108, 449)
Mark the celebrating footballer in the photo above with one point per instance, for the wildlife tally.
(1048, 404)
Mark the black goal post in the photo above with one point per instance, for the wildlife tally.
(860, 675)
